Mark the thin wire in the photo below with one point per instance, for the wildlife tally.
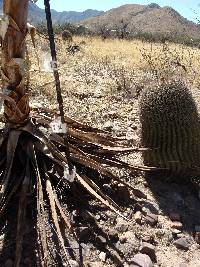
(57, 78)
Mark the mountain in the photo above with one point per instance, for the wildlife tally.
(37, 14)
(145, 19)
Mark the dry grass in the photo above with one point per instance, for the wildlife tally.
(111, 69)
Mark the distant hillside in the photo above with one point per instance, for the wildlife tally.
(146, 19)
(37, 14)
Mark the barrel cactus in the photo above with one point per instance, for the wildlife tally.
(171, 130)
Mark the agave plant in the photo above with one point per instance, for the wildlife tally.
(32, 151)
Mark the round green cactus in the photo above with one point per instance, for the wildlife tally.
(171, 129)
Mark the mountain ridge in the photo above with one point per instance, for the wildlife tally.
(37, 15)
(146, 19)
(151, 19)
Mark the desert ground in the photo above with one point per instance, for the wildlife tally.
(101, 85)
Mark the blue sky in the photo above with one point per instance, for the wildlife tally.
(184, 7)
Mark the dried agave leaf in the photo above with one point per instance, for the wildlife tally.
(106, 201)
(14, 187)
(54, 214)
(63, 215)
(92, 138)
(11, 148)
(21, 218)
(40, 211)
(99, 191)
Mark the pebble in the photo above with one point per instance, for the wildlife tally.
(9, 263)
(84, 232)
(149, 250)
(123, 192)
(113, 235)
(142, 260)
(98, 217)
(151, 219)
(175, 216)
(176, 232)
(102, 256)
(95, 264)
(177, 225)
(151, 208)
(2, 237)
(182, 243)
(123, 239)
(121, 226)
(149, 239)
(102, 239)
(108, 125)
(138, 217)
(138, 207)
(138, 193)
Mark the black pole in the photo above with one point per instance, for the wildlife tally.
(57, 77)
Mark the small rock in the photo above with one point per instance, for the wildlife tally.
(151, 219)
(160, 233)
(73, 263)
(123, 239)
(138, 193)
(95, 264)
(138, 217)
(149, 250)
(113, 114)
(101, 239)
(121, 226)
(149, 239)
(182, 243)
(84, 232)
(113, 235)
(102, 256)
(134, 127)
(9, 263)
(176, 232)
(2, 237)
(142, 260)
(197, 237)
(123, 192)
(138, 207)
(175, 216)
(150, 207)
(98, 217)
(108, 125)
(177, 225)
(130, 239)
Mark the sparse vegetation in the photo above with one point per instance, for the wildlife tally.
(101, 84)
